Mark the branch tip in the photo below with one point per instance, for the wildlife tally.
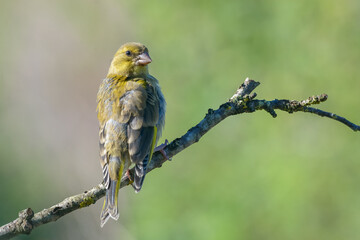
(245, 89)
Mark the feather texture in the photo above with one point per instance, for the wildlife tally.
(130, 109)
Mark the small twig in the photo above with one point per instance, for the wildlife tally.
(332, 116)
(241, 102)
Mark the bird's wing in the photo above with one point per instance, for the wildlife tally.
(136, 113)
(142, 139)
(140, 109)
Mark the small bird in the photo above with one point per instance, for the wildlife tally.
(131, 113)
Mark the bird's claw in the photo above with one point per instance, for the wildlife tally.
(160, 149)
(127, 174)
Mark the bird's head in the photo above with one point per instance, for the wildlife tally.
(130, 60)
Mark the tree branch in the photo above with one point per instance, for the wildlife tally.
(241, 102)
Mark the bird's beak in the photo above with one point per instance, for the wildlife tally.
(143, 59)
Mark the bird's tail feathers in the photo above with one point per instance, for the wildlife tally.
(139, 175)
(140, 167)
(110, 207)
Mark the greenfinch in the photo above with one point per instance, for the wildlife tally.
(131, 114)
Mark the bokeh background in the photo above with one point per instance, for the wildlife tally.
(251, 177)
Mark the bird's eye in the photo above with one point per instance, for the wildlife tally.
(128, 53)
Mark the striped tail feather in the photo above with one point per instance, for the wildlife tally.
(110, 207)
(140, 172)
(140, 167)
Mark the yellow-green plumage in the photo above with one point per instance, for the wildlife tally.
(131, 114)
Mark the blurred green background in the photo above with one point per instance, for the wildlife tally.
(251, 177)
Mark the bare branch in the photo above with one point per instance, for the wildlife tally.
(27, 220)
(332, 116)
(241, 102)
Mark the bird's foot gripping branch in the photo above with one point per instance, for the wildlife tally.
(243, 101)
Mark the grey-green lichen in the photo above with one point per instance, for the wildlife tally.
(87, 201)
